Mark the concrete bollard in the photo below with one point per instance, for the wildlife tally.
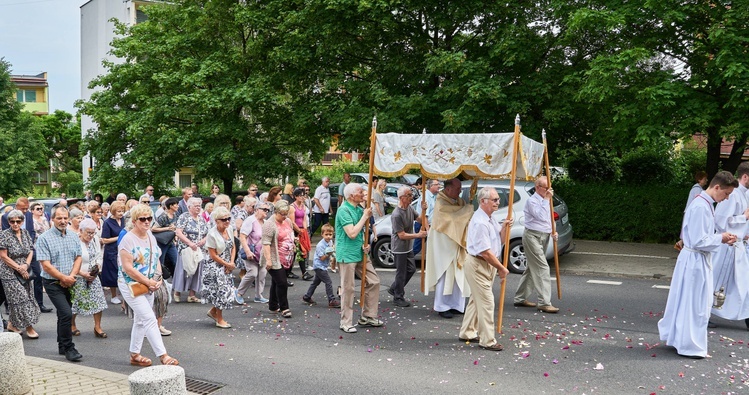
(14, 375)
(162, 380)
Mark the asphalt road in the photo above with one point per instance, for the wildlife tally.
(604, 340)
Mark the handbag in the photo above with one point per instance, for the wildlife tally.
(191, 258)
(25, 281)
(164, 237)
(137, 288)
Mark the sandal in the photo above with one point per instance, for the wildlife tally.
(139, 360)
(76, 332)
(167, 360)
(286, 314)
(102, 334)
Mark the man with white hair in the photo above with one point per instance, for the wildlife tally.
(320, 206)
(401, 243)
(350, 249)
(483, 244)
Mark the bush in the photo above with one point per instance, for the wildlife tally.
(629, 213)
(688, 162)
(647, 166)
(588, 164)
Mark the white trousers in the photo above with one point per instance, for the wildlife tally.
(144, 321)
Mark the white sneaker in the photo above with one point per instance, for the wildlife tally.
(116, 300)
(164, 331)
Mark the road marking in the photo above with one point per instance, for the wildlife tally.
(604, 282)
(662, 286)
(623, 255)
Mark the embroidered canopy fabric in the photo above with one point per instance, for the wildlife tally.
(447, 155)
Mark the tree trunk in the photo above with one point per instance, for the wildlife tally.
(737, 152)
(227, 186)
(714, 141)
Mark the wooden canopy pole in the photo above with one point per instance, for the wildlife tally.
(505, 260)
(372, 147)
(423, 223)
(553, 223)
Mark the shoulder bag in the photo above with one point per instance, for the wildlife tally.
(138, 288)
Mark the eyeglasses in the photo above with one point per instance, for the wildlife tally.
(496, 200)
(253, 190)
(227, 219)
(16, 221)
(145, 219)
(90, 232)
(149, 190)
(267, 210)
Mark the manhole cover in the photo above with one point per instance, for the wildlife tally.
(201, 387)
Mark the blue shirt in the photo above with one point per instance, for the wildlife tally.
(60, 249)
(319, 252)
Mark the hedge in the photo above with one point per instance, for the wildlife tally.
(629, 213)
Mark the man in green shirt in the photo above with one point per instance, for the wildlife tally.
(350, 249)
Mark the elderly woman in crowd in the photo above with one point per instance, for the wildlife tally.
(288, 191)
(105, 210)
(138, 259)
(164, 228)
(110, 231)
(88, 295)
(206, 214)
(76, 216)
(191, 233)
(244, 208)
(95, 213)
(41, 223)
(300, 222)
(249, 237)
(217, 279)
(378, 200)
(16, 254)
(221, 201)
(277, 234)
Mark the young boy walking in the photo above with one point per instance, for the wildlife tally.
(324, 255)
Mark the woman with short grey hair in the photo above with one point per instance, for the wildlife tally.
(218, 285)
(87, 294)
(76, 216)
(15, 274)
(191, 233)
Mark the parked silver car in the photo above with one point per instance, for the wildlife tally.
(382, 256)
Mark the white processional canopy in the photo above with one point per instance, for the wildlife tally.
(445, 156)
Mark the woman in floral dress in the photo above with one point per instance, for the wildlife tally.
(15, 257)
(191, 233)
(217, 279)
(88, 295)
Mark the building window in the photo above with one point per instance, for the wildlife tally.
(140, 16)
(40, 177)
(185, 180)
(26, 96)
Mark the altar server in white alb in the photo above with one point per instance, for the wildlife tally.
(684, 323)
(731, 263)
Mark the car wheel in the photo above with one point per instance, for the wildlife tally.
(382, 255)
(517, 263)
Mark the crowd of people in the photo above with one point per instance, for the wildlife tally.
(119, 252)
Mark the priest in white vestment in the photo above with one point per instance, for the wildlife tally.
(446, 251)
(684, 322)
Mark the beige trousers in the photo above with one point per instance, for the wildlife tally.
(371, 291)
(478, 319)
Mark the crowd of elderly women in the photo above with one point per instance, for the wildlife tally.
(127, 252)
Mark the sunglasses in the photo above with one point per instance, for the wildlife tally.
(38, 209)
(494, 200)
(145, 219)
(253, 190)
(16, 221)
(227, 219)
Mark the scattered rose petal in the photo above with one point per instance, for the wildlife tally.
(599, 366)
(546, 374)
(555, 362)
(476, 362)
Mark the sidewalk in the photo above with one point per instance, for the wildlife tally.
(56, 377)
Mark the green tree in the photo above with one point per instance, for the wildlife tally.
(194, 90)
(62, 134)
(666, 69)
(20, 139)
